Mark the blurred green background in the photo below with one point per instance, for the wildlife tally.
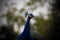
(46, 17)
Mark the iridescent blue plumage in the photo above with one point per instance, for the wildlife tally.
(25, 35)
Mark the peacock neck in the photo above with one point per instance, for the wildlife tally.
(27, 27)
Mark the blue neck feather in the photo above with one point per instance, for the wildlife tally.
(26, 33)
(27, 27)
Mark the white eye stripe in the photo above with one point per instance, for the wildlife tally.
(29, 15)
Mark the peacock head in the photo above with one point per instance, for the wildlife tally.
(29, 15)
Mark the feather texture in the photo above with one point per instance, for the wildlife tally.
(25, 35)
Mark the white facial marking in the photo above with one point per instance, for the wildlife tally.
(29, 15)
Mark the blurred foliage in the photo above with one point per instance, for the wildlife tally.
(7, 34)
(29, 3)
(44, 27)
(6, 4)
(54, 31)
(42, 24)
(9, 15)
(14, 9)
(12, 19)
(23, 9)
(34, 1)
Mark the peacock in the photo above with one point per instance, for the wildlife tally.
(26, 34)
